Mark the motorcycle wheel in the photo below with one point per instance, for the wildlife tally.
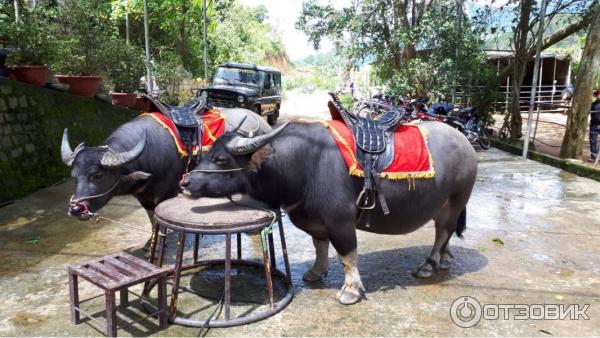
(484, 138)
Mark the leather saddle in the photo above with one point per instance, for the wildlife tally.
(374, 149)
(187, 119)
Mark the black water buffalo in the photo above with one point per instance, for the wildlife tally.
(303, 172)
(139, 158)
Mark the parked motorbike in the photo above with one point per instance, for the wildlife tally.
(468, 122)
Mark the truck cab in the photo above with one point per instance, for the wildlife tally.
(252, 87)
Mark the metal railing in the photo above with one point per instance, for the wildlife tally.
(547, 95)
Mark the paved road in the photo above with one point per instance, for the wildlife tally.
(547, 220)
(299, 105)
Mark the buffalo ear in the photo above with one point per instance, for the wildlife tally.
(136, 177)
(259, 156)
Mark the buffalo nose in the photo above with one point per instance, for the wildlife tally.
(75, 209)
(184, 182)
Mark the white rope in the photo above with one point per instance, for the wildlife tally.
(94, 196)
(98, 218)
(215, 170)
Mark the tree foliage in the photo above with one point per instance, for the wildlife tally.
(411, 44)
(88, 36)
(246, 37)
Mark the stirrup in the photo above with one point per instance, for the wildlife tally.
(366, 199)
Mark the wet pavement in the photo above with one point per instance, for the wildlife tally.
(533, 237)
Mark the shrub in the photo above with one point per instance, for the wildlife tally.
(125, 66)
(170, 76)
(87, 40)
(33, 37)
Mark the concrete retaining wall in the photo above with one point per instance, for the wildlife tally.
(32, 120)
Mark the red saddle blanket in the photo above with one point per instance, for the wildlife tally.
(412, 158)
(213, 126)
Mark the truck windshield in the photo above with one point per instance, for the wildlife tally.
(236, 76)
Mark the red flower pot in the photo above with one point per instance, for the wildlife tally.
(86, 86)
(36, 75)
(123, 99)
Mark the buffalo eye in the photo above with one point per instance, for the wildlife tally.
(220, 159)
(96, 176)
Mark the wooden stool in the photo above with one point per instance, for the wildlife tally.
(113, 273)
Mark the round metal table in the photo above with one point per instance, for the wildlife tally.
(209, 216)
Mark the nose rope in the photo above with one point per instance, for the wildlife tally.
(135, 227)
(216, 170)
(94, 196)
(211, 171)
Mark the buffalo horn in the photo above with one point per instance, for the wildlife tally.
(66, 153)
(113, 159)
(243, 146)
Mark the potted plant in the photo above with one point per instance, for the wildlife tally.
(125, 72)
(82, 53)
(33, 44)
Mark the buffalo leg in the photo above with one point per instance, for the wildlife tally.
(343, 239)
(321, 265)
(445, 225)
(446, 256)
(353, 289)
(150, 246)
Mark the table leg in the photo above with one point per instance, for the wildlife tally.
(124, 296)
(286, 261)
(74, 298)
(239, 246)
(161, 247)
(267, 267)
(227, 289)
(196, 246)
(177, 273)
(161, 239)
(272, 251)
(111, 314)
(162, 303)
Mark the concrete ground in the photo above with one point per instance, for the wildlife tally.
(532, 238)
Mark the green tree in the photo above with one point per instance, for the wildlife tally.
(235, 32)
(412, 44)
(242, 35)
(564, 17)
(587, 76)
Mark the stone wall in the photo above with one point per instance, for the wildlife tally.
(32, 120)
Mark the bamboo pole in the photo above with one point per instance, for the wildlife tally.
(205, 40)
(459, 10)
(149, 79)
(17, 10)
(127, 21)
(536, 70)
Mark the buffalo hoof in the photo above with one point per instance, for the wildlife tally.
(349, 295)
(312, 276)
(445, 261)
(426, 270)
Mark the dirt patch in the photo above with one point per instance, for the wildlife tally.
(548, 132)
(28, 319)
